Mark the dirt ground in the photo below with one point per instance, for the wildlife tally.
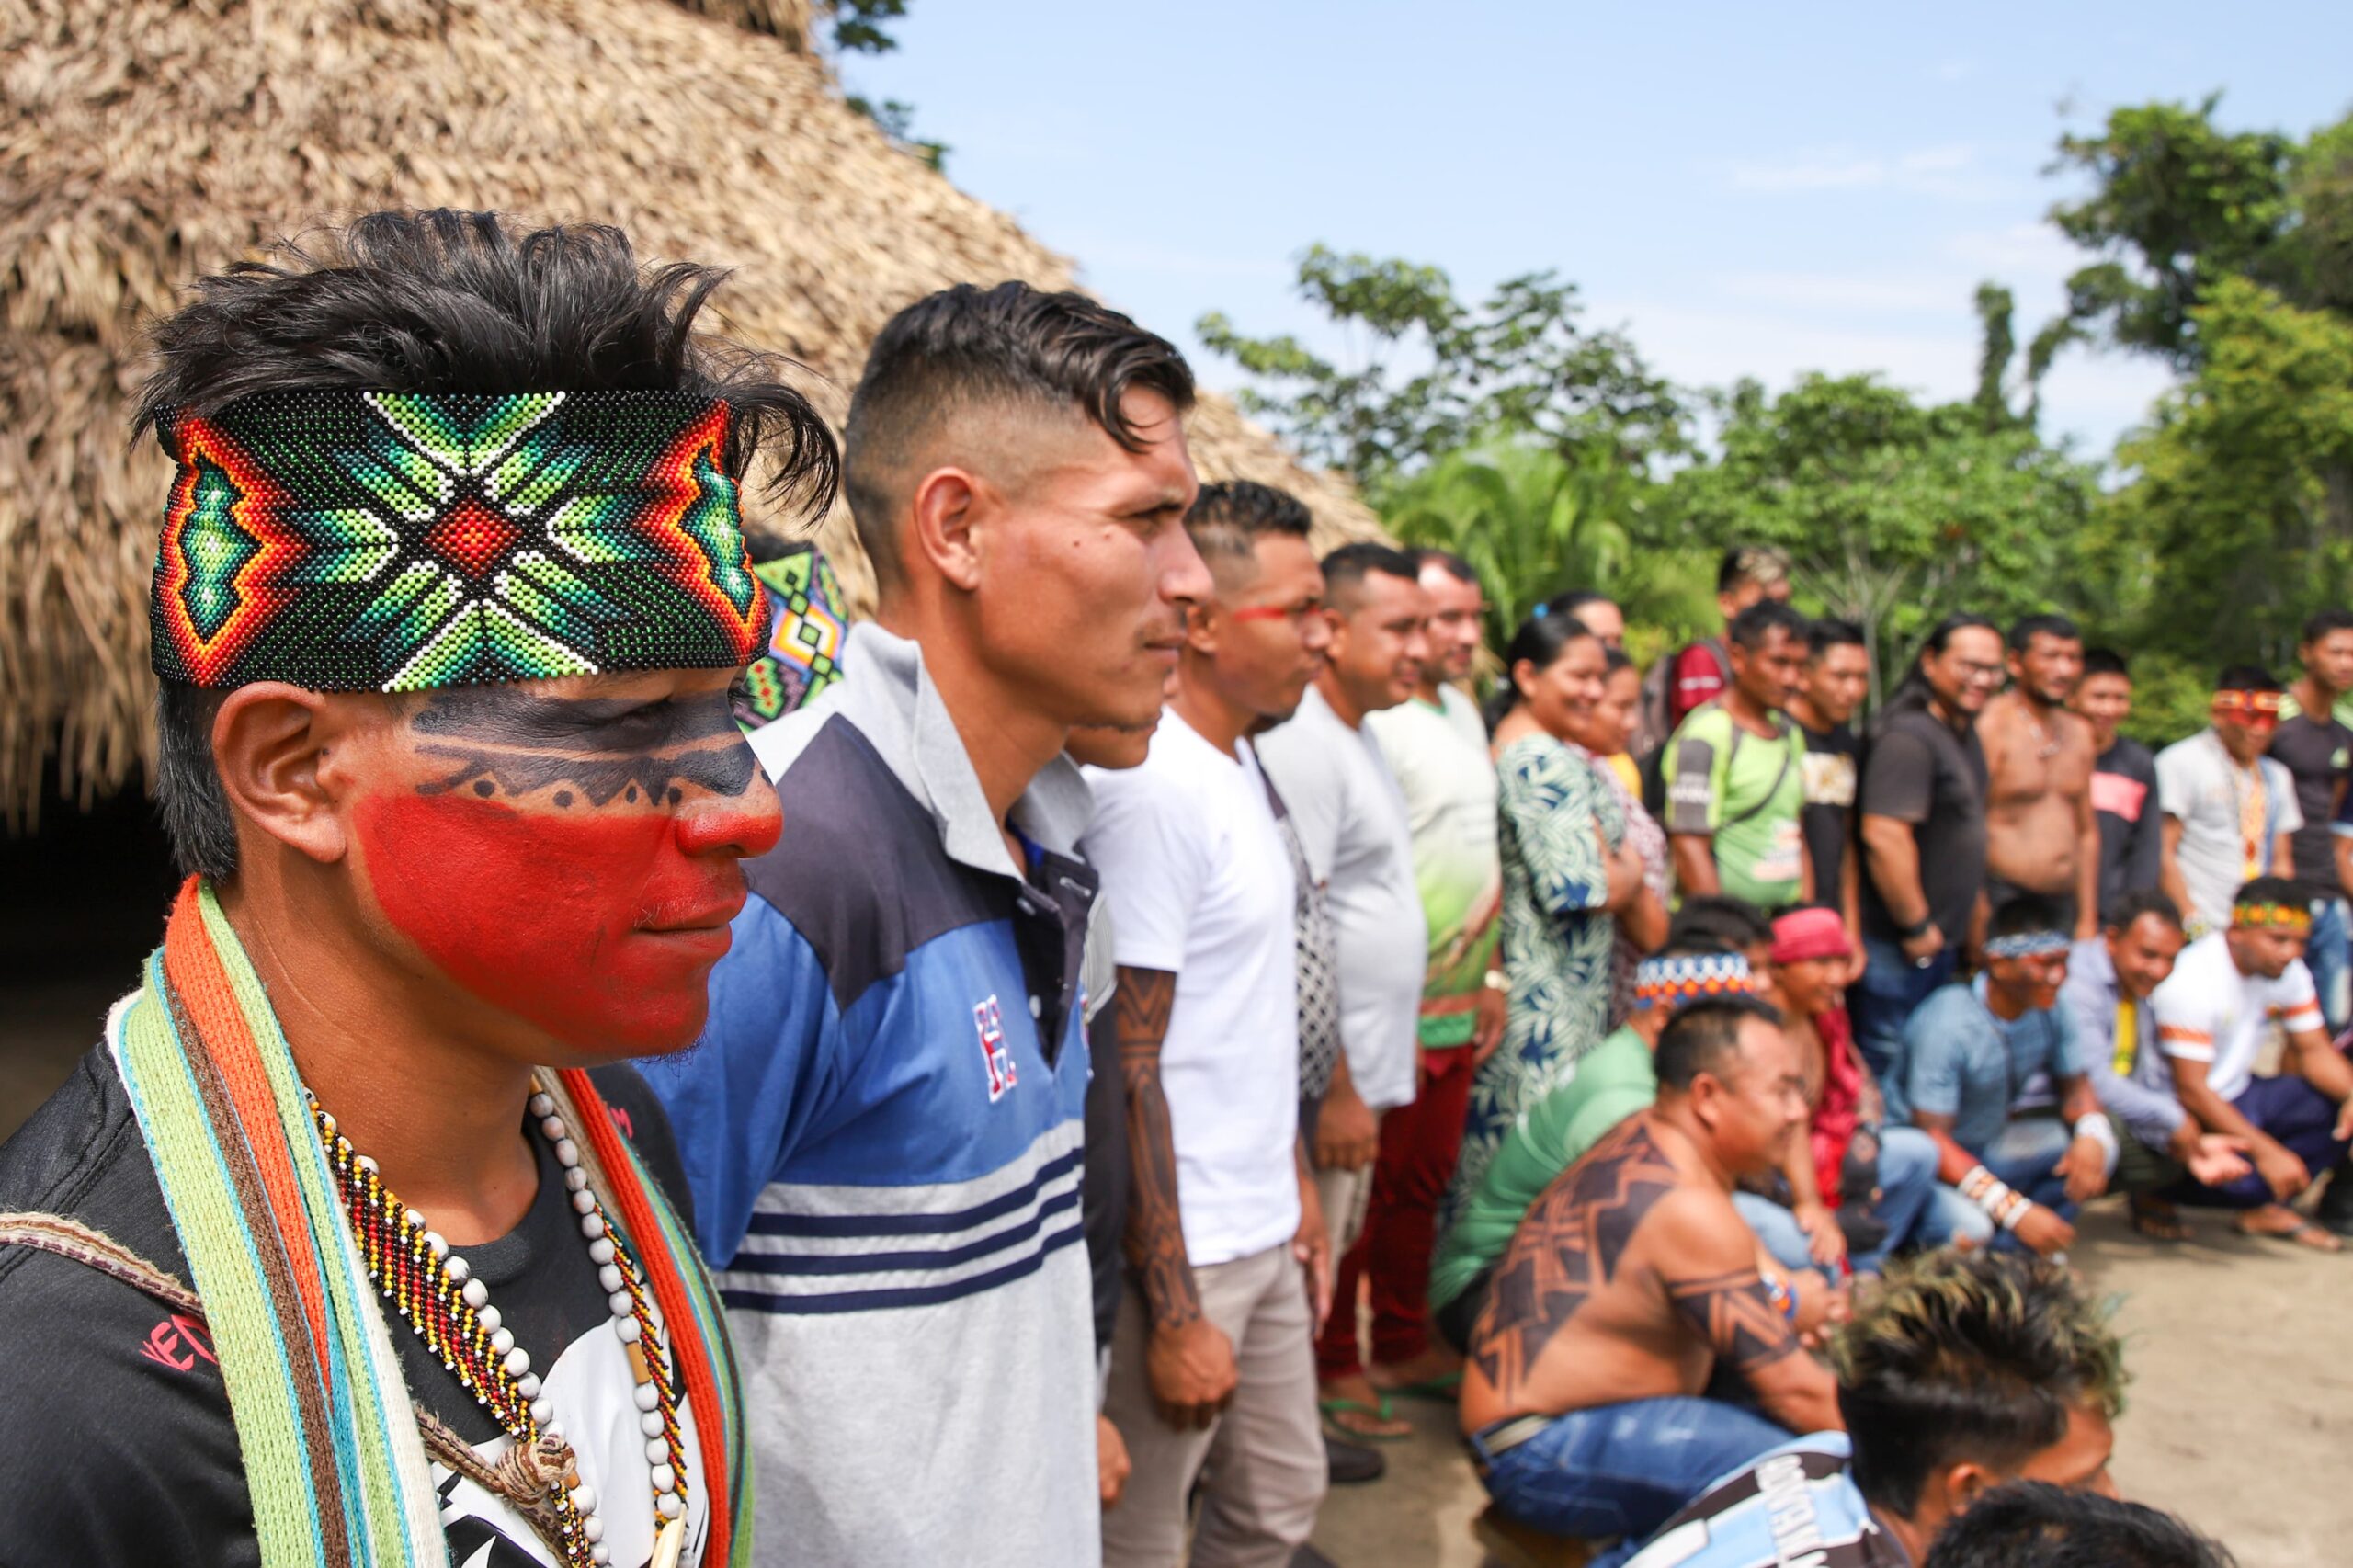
(2239, 1417)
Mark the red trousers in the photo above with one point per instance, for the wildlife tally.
(1418, 1144)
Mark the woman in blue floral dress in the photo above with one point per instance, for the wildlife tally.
(1568, 870)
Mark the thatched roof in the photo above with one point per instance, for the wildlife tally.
(148, 141)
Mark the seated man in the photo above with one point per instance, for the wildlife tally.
(1852, 1173)
(1614, 1081)
(2211, 1014)
(1992, 1071)
(2109, 980)
(1631, 1281)
(1968, 1370)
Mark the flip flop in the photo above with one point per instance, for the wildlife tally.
(1443, 1388)
(1333, 1409)
(2161, 1223)
(2303, 1233)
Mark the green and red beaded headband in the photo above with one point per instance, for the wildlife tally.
(393, 542)
(2296, 919)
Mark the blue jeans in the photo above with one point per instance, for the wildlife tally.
(1881, 1001)
(1908, 1182)
(2291, 1111)
(1777, 1229)
(1622, 1469)
(2328, 953)
(2023, 1156)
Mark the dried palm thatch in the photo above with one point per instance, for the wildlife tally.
(148, 141)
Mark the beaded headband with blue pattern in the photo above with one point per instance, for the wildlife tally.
(393, 542)
(2027, 945)
(1690, 977)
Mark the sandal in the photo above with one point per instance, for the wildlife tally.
(1341, 1431)
(2300, 1231)
(2160, 1222)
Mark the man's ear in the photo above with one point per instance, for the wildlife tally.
(271, 745)
(948, 503)
(1202, 625)
(1964, 1484)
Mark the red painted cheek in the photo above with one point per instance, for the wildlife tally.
(541, 913)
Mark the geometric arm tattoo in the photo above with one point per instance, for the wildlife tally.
(1155, 1237)
(1735, 1315)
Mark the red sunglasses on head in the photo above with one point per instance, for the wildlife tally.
(2249, 706)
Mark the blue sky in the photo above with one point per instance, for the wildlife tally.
(1747, 192)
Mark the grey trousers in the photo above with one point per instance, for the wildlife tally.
(1265, 1455)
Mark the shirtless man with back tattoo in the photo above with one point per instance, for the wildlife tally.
(1631, 1281)
(2041, 835)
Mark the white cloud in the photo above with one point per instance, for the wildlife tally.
(1846, 293)
(1951, 171)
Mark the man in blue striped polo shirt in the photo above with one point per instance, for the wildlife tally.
(881, 1122)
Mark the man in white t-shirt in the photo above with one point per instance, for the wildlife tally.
(2229, 810)
(2226, 990)
(1351, 820)
(1211, 1364)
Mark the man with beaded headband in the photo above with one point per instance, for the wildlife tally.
(2227, 989)
(1993, 1071)
(450, 596)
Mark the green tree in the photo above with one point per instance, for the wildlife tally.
(1894, 513)
(1535, 521)
(2239, 519)
(2177, 205)
(862, 27)
(1425, 373)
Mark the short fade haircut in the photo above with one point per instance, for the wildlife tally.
(2105, 662)
(1976, 1355)
(2032, 1523)
(450, 302)
(1453, 565)
(1824, 635)
(1760, 563)
(2134, 906)
(2320, 623)
(2247, 677)
(1346, 569)
(2026, 628)
(1753, 627)
(2027, 914)
(1704, 1036)
(1720, 918)
(1012, 346)
(1228, 519)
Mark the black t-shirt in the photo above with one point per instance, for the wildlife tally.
(113, 1416)
(1833, 775)
(2124, 802)
(1920, 770)
(2316, 752)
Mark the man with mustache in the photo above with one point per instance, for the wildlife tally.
(887, 1105)
(450, 593)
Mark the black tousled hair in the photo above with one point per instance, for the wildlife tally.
(2025, 915)
(1913, 691)
(1007, 347)
(2026, 628)
(1824, 635)
(2032, 1523)
(1577, 599)
(1752, 626)
(448, 302)
(2105, 662)
(1720, 918)
(2127, 910)
(2320, 623)
(2247, 677)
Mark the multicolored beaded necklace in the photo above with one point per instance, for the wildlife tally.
(452, 1312)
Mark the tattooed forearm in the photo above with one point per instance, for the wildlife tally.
(1155, 1239)
(505, 742)
(1735, 1315)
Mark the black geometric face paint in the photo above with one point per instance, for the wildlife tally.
(506, 741)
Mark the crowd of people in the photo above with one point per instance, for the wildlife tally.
(1124, 1017)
